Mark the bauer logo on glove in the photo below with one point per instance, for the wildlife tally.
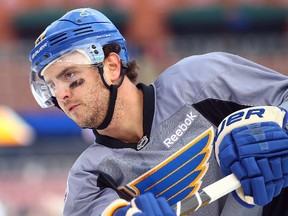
(253, 144)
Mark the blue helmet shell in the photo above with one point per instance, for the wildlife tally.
(76, 27)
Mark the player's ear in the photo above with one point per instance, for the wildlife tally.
(112, 64)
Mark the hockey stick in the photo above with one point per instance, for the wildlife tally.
(208, 195)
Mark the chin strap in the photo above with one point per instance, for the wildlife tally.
(113, 96)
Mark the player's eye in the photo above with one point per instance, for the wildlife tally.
(69, 75)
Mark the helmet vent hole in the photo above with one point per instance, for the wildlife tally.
(83, 30)
(61, 39)
(58, 38)
(87, 31)
(80, 29)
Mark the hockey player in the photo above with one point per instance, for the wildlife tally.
(80, 64)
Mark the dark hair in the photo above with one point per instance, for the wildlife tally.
(131, 71)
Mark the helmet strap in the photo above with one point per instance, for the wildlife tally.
(113, 96)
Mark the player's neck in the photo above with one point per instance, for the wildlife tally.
(127, 121)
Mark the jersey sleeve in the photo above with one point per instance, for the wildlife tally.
(88, 190)
(245, 82)
(227, 77)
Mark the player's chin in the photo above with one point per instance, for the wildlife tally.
(84, 119)
(85, 124)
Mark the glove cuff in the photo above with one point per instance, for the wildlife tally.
(248, 116)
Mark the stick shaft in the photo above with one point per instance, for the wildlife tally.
(209, 194)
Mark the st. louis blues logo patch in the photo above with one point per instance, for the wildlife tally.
(179, 176)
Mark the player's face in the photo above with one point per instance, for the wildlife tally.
(78, 89)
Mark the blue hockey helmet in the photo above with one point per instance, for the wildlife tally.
(82, 28)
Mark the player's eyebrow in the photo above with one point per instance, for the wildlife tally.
(60, 74)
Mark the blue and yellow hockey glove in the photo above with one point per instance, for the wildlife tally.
(143, 205)
(253, 144)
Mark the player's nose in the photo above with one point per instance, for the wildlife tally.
(62, 93)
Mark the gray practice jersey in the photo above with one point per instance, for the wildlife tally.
(188, 98)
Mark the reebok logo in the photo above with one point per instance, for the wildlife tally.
(180, 130)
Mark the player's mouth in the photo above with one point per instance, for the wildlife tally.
(73, 108)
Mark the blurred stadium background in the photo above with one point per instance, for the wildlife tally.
(37, 147)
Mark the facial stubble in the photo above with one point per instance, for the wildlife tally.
(96, 105)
